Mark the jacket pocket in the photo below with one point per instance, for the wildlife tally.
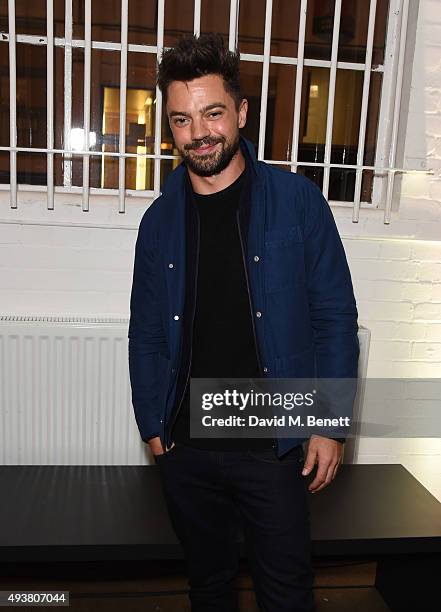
(284, 259)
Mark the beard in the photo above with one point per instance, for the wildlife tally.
(210, 163)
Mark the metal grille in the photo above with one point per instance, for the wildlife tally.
(383, 169)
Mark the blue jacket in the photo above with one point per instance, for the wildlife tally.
(305, 315)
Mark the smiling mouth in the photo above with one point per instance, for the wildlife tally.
(205, 149)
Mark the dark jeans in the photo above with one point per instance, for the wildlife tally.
(209, 493)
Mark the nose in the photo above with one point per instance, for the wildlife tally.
(199, 129)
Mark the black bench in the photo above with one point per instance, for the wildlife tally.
(93, 513)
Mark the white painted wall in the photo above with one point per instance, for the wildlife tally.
(48, 269)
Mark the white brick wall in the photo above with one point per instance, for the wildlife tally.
(396, 268)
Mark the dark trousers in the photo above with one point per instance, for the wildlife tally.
(209, 493)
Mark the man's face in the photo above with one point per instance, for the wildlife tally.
(205, 123)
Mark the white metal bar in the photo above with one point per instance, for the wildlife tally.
(87, 153)
(386, 101)
(123, 103)
(87, 84)
(396, 113)
(158, 110)
(135, 48)
(50, 101)
(331, 95)
(12, 104)
(68, 31)
(364, 109)
(379, 169)
(197, 18)
(265, 77)
(299, 81)
(234, 22)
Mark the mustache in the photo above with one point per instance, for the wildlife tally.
(200, 143)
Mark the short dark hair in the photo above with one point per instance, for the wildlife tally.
(195, 57)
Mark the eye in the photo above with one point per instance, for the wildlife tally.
(180, 120)
(215, 114)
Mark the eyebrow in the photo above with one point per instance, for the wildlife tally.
(202, 111)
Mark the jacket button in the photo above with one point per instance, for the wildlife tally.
(170, 265)
(161, 421)
(258, 314)
(173, 370)
(256, 258)
(265, 370)
(176, 317)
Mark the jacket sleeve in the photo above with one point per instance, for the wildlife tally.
(146, 334)
(332, 305)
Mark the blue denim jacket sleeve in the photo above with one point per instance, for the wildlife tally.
(332, 304)
(146, 333)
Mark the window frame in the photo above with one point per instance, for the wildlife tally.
(387, 134)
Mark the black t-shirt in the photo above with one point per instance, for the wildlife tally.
(223, 342)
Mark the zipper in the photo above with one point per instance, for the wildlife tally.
(192, 326)
(251, 306)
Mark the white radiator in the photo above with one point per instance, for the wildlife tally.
(65, 394)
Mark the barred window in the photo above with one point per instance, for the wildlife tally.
(81, 112)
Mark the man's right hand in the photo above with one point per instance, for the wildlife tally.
(156, 446)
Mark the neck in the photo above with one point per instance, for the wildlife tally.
(205, 185)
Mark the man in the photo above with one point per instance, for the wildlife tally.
(239, 272)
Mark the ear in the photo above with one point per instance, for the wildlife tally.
(243, 109)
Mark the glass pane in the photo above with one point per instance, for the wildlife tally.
(4, 167)
(31, 169)
(342, 185)
(285, 27)
(31, 96)
(381, 17)
(280, 112)
(4, 96)
(143, 18)
(77, 134)
(251, 26)
(251, 80)
(367, 184)
(354, 23)
(319, 26)
(78, 18)
(59, 97)
(106, 20)
(58, 169)
(105, 117)
(346, 122)
(59, 18)
(314, 173)
(104, 121)
(354, 26)
(140, 119)
(215, 17)
(4, 24)
(373, 115)
(30, 17)
(315, 89)
(178, 20)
